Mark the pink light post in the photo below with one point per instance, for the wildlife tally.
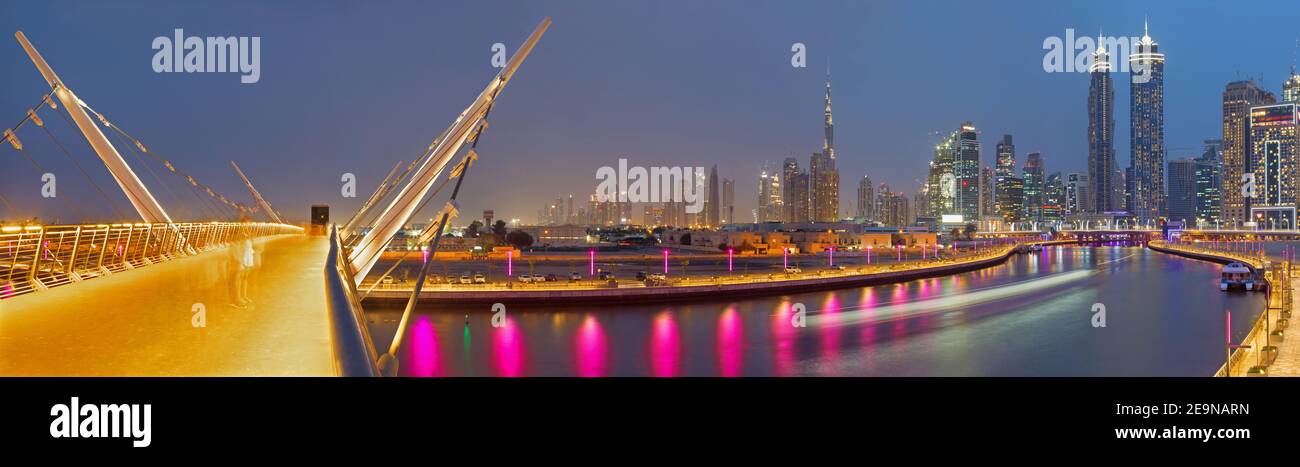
(831, 258)
(900, 252)
(665, 261)
(868, 254)
(729, 254)
(785, 258)
(591, 268)
(510, 263)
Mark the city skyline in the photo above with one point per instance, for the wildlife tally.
(881, 136)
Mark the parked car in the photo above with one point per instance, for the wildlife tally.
(387, 280)
(479, 278)
(793, 270)
(574, 277)
(837, 268)
(606, 276)
(464, 279)
(656, 276)
(551, 278)
(525, 278)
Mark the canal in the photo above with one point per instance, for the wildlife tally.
(1032, 316)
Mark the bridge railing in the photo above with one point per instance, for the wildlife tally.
(38, 257)
(354, 350)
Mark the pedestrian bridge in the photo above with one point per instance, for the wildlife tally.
(147, 310)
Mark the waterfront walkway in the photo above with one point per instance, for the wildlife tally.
(1288, 355)
(142, 322)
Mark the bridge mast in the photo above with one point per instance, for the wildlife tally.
(261, 202)
(471, 120)
(144, 202)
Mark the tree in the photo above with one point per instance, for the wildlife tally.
(685, 239)
(970, 231)
(722, 246)
(472, 230)
(499, 231)
(520, 239)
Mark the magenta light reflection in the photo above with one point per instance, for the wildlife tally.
(423, 352)
(592, 349)
(665, 346)
(783, 337)
(508, 349)
(730, 343)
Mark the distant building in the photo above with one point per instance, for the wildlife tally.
(1182, 190)
(1102, 170)
(966, 170)
(728, 201)
(795, 191)
(1054, 199)
(866, 200)
(1077, 195)
(1147, 129)
(1035, 184)
(1209, 183)
(1238, 98)
(1273, 155)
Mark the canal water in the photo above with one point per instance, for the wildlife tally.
(1032, 316)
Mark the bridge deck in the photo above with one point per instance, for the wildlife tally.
(139, 322)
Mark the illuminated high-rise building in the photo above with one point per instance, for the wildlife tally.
(1010, 188)
(1182, 190)
(794, 192)
(1238, 98)
(966, 172)
(986, 192)
(1147, 129)
(1209, 183)
(728, 201)
(1035, 184)
(825, 178)
(1054, 198)
(866, 199)
(1102, 171)
(1076, 193)
(1273, 152)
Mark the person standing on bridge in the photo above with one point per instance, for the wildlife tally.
(243, 260)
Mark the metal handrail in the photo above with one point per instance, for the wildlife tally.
(354, 350)
(38, 257)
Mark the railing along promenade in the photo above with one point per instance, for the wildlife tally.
(1258, 350)
(38, 257)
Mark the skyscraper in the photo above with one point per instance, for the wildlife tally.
(1291, 88)
(1209, 183)
(795, 191)
(713, 203)
(1238, 98)
(1076, 193)
(1054, 199)
(825, 179)
(1273, 152)
(1035, 184)
(1010, 188)
(1182, 190)
(728, 201)
(1147, 128)
(866, 199)
(1101, 134)
(986, 192)
(966, 171)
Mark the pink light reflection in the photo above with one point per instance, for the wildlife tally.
(423, 351)
(730, 343)
(665, 346)
(508, 349)
(592, 349)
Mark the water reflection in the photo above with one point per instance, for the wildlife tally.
(1026, 317)
(591, 348)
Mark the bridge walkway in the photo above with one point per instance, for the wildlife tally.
(142, 322)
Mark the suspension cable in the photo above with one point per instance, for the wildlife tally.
(107, 200)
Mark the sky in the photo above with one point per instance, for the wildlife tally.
(355, 87)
